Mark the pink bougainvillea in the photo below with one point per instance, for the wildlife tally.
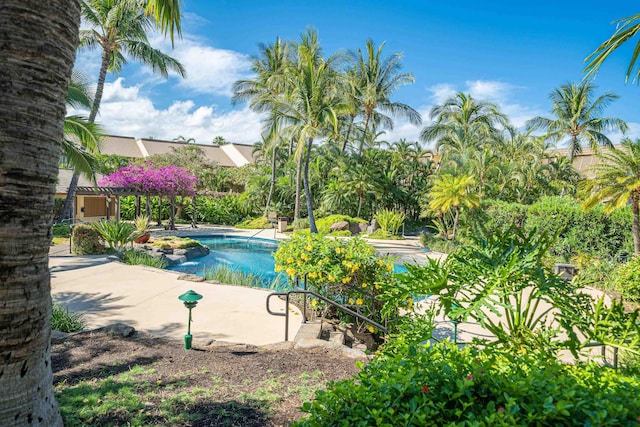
(151, 179)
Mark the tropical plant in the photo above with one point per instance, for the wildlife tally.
(231, 276)
(577, 115)
(444, 385)
(66, 321)
(137, 257)
(389, 221)
(375, 79)
(626, 29)
(142, 224)
(312, 107)
(116, 233)
(452, 192)
(617, 183)
(35, 78)
(81, 143)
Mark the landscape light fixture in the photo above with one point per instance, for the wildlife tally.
(190, 300)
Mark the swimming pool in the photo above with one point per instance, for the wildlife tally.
(250, 255)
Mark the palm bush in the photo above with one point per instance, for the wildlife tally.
(389, 221)
(116, 233)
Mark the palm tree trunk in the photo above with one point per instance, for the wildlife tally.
(39, 41)
(194, 221)
(296, 211)
(307, 191)
(100, 86)
(346, 138)
(572, 149)
(635, 227)
(273, 181)
(364, 135)
(67, 210)
(455, 224)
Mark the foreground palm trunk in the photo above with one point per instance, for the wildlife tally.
(37, 50)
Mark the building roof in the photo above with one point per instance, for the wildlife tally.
(64, 179)
(121, 145)
(228, 155)
(582, 161)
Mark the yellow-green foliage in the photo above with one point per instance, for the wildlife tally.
(254, 223)
(324, 224)
(348, 271)
(174, 242)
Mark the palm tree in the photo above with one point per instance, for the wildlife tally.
(270, 68)
(617, 183)
(36, 70)
(577, 116)
(462, 122)
(312, 107)
(81, 142)
(376, 80)
(451, 192)
(120, 28)
(626, 29)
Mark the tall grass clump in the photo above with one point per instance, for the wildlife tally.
(65, 321)
(116, 233)
(231, 276)
(389, 221)
(136, 257)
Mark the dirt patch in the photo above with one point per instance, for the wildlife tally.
(105, 380)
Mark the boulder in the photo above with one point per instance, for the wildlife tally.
(358, 228)
(117, 329)
(340, 226)
(373, 227)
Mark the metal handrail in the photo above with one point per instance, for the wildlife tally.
(327, 300)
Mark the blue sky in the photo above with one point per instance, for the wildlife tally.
(513, 53)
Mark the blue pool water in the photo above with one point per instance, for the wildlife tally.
(250, 255)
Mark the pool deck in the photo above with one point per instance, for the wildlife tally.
(107, 291)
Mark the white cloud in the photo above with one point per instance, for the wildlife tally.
(124, 111)
(209, 70)
(489, 89)
(441, 92)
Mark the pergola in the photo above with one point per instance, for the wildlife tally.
(109, 192)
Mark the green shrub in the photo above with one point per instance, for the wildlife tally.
(85, 240)
(116, 233)
(136, 257)
(626, 279)
(594, 272)
(348, 271)
(174, 242)
(227, 210)
(61, 230)
(389, 221)
(300, 223)
(437, 243)
(442, 385)
(254, 223)
(189, 244)
(65, 321)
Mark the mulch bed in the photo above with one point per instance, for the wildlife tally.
(226, 385)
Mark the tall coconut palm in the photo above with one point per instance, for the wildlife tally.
(577, 116)
(37, 52)
(119, 28)
(312, 107)
(626, 29)
(270, 69)
(376, 80)
(451, 192)
(463, 121)
(617, 183)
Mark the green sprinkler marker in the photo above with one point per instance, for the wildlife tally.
(190, 300)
